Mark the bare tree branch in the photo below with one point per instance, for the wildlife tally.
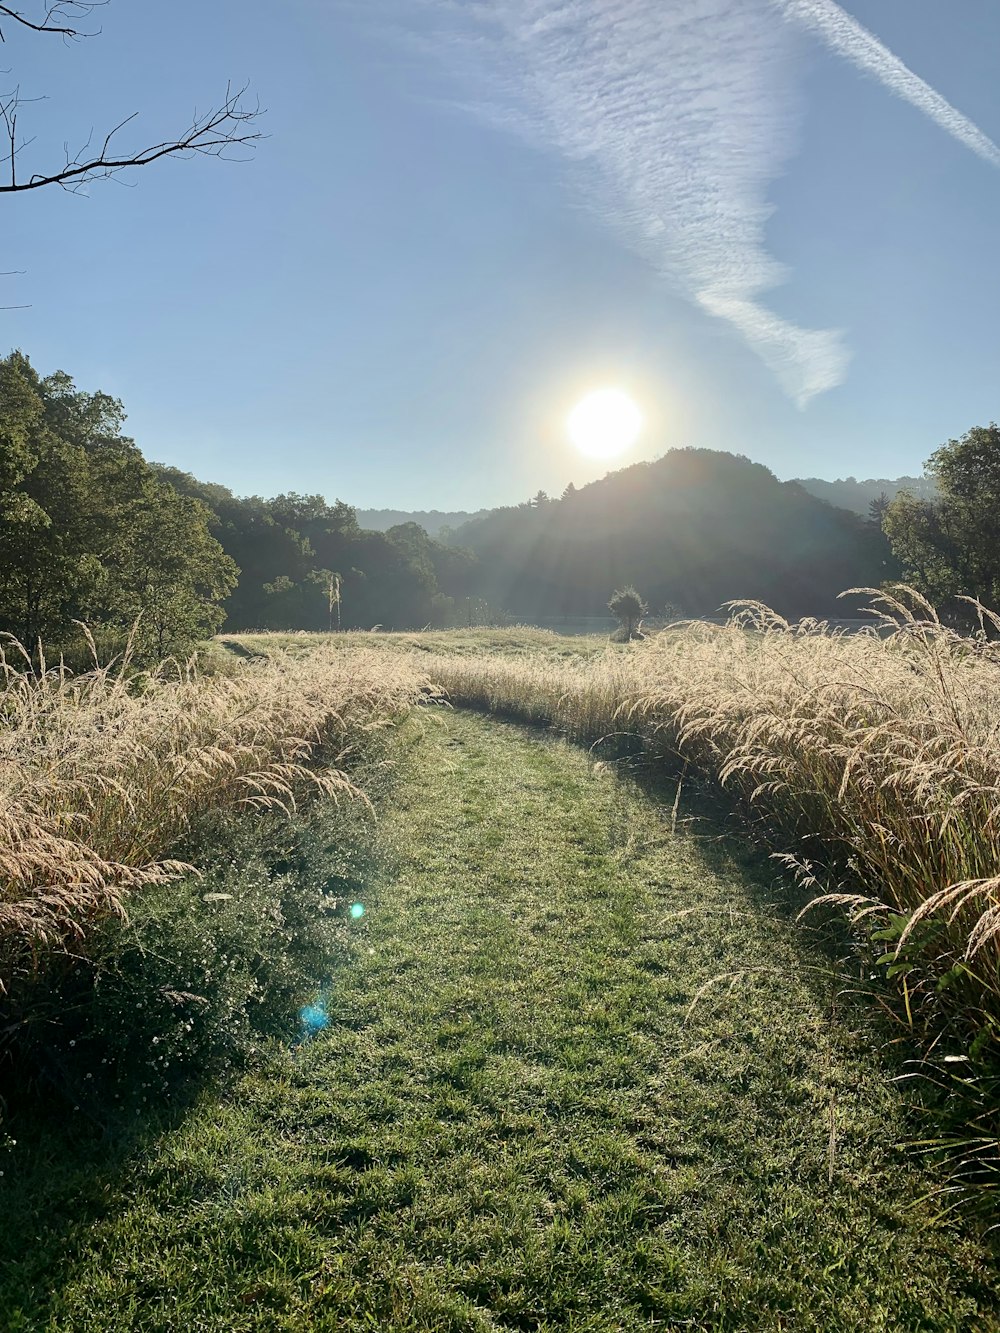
(58, 17)
(229, 126)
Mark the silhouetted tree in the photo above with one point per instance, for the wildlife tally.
(628, 608)
(877, 508)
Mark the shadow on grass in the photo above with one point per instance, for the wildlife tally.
(839, 966)
(103, 1057)
(64, 1168)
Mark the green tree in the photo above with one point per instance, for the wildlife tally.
(951, 545)
(166, 572)
(45, 507)
(628, 608)
(88, 530)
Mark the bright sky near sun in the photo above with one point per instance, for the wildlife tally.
(770, 223)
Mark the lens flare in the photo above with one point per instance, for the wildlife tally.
(314, 1018)
(357, 911)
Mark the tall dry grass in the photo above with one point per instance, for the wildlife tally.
(874, 755)
(102, 775)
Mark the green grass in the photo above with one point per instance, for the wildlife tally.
(516, 1120)
(511, 641)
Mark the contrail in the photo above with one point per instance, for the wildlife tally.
(849, 38)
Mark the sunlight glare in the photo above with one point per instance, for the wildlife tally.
(604, 424)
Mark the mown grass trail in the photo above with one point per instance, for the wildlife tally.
(515, 1120)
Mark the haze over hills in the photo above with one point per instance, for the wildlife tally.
(691, 530)
(844, 493)
(849, 493)
(431, 520)
(94, 533)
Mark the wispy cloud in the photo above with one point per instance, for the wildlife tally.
(845, 35)
(676, 118)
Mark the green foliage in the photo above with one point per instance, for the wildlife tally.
(167, 572)
(202, 971)
(88, 531)
(306, 565)
(950, 545)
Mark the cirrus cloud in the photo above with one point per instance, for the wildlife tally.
(675, 120)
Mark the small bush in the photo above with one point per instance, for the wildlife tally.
(204, 970)
(628, 609)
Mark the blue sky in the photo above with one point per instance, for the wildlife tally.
(464, 217)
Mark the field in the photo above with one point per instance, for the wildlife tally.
(870, 761)
(570, 1054)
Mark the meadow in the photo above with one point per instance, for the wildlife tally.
(104, 775)
(750, 867)
(869, 760)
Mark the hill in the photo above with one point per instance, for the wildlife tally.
(691, 530)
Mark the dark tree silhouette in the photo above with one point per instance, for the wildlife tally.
(628, 609)
(878, 507)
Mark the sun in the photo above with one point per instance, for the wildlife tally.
(604, 424)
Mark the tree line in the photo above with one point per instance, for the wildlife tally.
(92, 534)
(306, 564)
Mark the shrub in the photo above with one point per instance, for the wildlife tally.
(102, 776)
(628, 608)
(206, 968)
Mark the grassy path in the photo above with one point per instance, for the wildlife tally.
(513, 1123)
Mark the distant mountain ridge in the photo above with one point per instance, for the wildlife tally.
(849, 493)
(843, 493)
(431, 520)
